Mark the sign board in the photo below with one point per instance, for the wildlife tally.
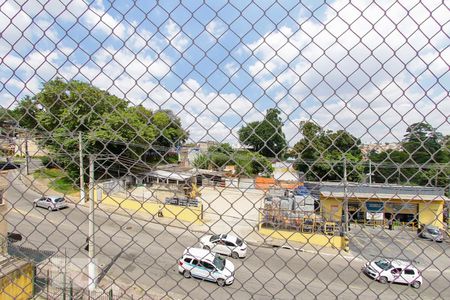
(377, 216)
(374, 207)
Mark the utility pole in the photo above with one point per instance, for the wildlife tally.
(370, 171)
(92, 267)
(82, 191)
(27, 160)
(345, 198)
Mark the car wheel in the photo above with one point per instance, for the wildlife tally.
(187, 274)
(235, 255)
(221, 282)
(416, 284)
(206, 248)
(50, 208)
(383, 280)
(35, 204)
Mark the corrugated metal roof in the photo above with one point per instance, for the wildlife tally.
(384, 196)
(377, 189)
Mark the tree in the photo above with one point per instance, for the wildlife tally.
(265, 137)
(109, 125)
(422, 142)
(247, 163)
(423, 160)
(320, 153)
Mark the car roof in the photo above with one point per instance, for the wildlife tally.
(402, 264)
(54, 197)
(230, 238)
(199, 253)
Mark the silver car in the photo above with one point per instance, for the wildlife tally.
(51, 202)
(432, 233)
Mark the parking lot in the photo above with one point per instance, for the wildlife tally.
(404, 244)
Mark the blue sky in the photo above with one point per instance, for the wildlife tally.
(371, 67)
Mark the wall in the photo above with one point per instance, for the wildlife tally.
(18, 284)
(188, 214)
(331, 208)
(306, 238)
(431, 213)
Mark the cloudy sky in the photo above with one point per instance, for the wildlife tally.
(369, 67)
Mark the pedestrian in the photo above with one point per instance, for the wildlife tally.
(390, 224)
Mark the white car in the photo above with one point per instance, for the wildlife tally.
(203, 264)
(224, 244)
(397, 271)
(50, 202)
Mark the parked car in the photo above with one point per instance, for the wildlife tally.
(51, 202)
(206, 265)
(433, 233)
(224, 244)
(397, 271)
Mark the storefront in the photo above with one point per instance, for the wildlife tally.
(369, 205)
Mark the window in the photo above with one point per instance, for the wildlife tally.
(195, 262)
(188, 260)
(207, 265)
(409, 272)
(230, 244)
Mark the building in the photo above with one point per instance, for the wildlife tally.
(367, 148)
(379, 203)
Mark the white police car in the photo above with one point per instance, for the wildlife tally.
(397, 271)
(206, 265)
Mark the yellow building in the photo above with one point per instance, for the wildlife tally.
(16, 278)
(377, 204)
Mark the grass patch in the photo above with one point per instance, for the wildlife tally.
(63, 185)
(49, 173)
(58, 180)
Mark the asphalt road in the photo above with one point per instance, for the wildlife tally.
(143, 256)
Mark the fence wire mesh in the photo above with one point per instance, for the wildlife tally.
(224, 149)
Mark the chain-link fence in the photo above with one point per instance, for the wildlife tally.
(224, 149)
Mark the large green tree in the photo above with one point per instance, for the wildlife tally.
(265, 137)
(321, 153)
(109, 125)
(247, 163)
(423, 159)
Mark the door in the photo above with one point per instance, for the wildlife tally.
(208, 270)
(230, 247)
(195, 269)
(222, 248)
(409, 276)
(42, 202)
(396, 274)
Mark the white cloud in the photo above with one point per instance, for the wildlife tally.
(354, 63)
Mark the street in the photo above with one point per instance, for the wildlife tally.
(145, 258)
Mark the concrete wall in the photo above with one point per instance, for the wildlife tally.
(431, 213)
(188, 214)
(317, 239)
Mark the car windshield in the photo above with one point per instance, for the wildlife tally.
(239, 242)
(219, 262)
(433, 231)
(383, 264)
(59, 200)
(214, 238)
